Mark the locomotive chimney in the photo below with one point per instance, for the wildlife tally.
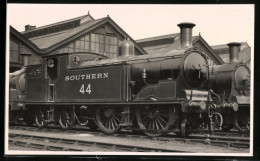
(26, 58)
(186, 34)
(126, 48)
(234, 49)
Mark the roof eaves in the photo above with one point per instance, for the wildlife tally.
(212, 51)
(25, 40)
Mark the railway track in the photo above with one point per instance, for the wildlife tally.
(21, 136)
(60, 144)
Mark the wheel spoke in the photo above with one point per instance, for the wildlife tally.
(163, 115)
(156, 125)
(115, 117)
(154, 118)
(109, 123)
(116, 121)
(159, 122)
(161, 119)
(68, 121)
(153, 124)
(106, 123)
(114, 124)
(150, 124)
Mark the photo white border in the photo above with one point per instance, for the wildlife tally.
(35, 153)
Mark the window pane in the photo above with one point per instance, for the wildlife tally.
(71, 45)
(101, 38)
(82, 39)
(77, 44)
(111, 49)
(82, 45)
(111, 40)
(66, 50)
(112, 55)
(87, 46)
(97, 47)
(97, 38)
(115, 41)
(107, 39)
(93, 37)
(107, 48)
(71, 50)
(87, 38)
(92, 46)
(115, 49)
(102, 48)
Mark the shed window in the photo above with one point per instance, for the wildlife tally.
(97, 43)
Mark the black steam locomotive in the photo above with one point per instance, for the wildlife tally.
(231, 82)
(153, 93)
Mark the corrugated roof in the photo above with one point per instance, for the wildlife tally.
(57, 23)
(156, 49)
(47, 41)
(157, 38)
(224, 46)
(166, 47)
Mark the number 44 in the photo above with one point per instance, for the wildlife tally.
(82, 89)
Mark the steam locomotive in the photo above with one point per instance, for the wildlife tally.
(231, 82)
(174, 91)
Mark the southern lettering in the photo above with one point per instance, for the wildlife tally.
(87, 76)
